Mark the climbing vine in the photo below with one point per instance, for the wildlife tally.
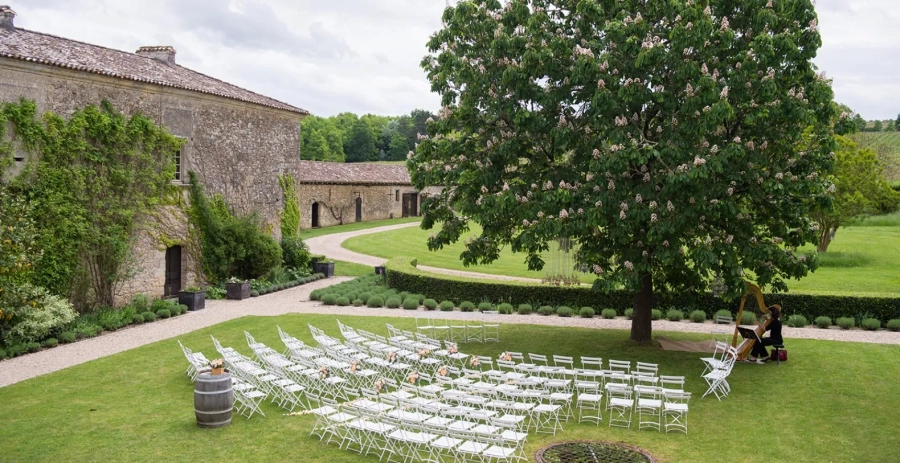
(290, 216)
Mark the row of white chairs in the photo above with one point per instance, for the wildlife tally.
(459, 330)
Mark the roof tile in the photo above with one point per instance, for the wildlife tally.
(352, 173)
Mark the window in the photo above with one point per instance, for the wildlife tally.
(396, 195)
(177, 177)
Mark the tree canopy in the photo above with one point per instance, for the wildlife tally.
(665, 138)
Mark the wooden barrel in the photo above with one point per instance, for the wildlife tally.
(213, 400)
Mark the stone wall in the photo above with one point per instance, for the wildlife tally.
(337, 203)
(237, 148)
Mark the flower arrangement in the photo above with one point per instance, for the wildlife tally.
(442, 371)
(413, 377)
(354, 366)
(391, 357)
(379, 385)
(323, 372)
(423, 352)
(236, 280)
(506, 357)
(453, 350)
(216, 364)
(474, 362)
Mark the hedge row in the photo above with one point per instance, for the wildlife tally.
(401, 274)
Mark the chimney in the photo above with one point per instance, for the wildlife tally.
(6, 18)
(164, 54)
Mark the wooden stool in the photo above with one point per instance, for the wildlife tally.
(775, 349)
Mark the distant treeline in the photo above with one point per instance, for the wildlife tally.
(349, 138)
(877, 125)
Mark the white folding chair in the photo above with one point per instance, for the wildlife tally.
(648, 406)
(491, 331)
(717, 360)
(675, 410)
(621, 366)
(474, 330)
(671, 383)
(589, 401)
(717, 379)
(620, 403)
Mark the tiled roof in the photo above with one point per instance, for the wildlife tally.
(352, 173)
(38, 47)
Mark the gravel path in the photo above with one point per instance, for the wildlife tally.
(296, 300)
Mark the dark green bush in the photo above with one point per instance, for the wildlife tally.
(505, 308)
(410, 303)
(564, 311)
(66, 337)
(87, 331)
(629, 313)
(525, 309)
(608, 314)
(329, 299)
(33, 346)
(748, 318)
(393, 302)
(725, 313)
(175, 309)
(655, 314)
(586, 312)
(797, 321)
(342, 301)
(823, 322)
(403, 294)
(485, 306)
(430, 304)
(357, 302)
(315, 294)
(164, 313)
(447, 306)
(158, 305)
(545, 310)
(254, 293)
(49, 342)
(698, 316)
(3, 354)
(294, 252)
(870, 324)
(375, 301)
(15, 350)
(466, 306)
(893, 324)
(845, 322)
(149, 316)
(137, 318)
(674, 315)
(140, 302)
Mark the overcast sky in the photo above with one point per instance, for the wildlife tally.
(362, 56)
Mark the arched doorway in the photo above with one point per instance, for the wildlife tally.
(358, 209)
(315, 215)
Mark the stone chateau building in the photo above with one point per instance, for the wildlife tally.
(236, 140)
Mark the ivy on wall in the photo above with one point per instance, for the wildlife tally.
(290, 216)
(91, 181)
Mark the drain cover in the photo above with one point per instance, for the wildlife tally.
(592, 452)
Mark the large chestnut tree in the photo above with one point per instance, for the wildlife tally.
(680, 143)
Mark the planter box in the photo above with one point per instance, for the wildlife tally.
(379, 269)
(325, 268)
(237, 291)
(194, 300)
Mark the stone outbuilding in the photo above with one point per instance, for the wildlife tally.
(236, 140)
(335, 193)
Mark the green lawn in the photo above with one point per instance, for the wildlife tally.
(308, 233)
(831, 402)
(871, 249)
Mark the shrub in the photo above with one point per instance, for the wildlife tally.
(586, 312)
(485, 306)
(629, 313)
(748, 318)
(893, 324)
(545, 310)
(149, 316)
(15, 350)
(823, 322)
(158, 305)
(525, 309)
(38, 312)
(505, 308)
(3, 354)
(184, 308)
(49, 342)
(254, 293)
(447, 306)
(110, 319)
(164, 313)
(329, 299)
(375, 301)
(33, 346)
(870, 324)
(314, 295)
(137, 319)
(698, 316)
(724, 313)
(294, 252)
(410, 303)
(797, 321)
(564, 311)
(140, 302)
(655, 314)
(87, 331)
(845, 322)
(393, 302)
(403, 294)
(342, 301)
(430, 304)
(66, 337)
(175, 309)
(357, 302)
(608, 314)
(466, 306)
(674, 315)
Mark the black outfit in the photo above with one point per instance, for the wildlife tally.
(774, 329)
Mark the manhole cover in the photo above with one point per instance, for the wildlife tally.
(592, 452)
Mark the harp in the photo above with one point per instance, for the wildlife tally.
(746, 336)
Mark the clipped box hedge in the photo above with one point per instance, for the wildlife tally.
(402, 275)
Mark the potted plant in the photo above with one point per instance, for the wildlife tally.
(325, 268)
(193, 297)
(216, 367)
(237, 289)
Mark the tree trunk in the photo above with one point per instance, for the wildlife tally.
(825, 238)
(641, 321)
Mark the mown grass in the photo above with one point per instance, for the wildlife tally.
(831, 402)
(308, 233)
(886, 220)
(351, 269)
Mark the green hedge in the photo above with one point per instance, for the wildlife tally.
(402, 276)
